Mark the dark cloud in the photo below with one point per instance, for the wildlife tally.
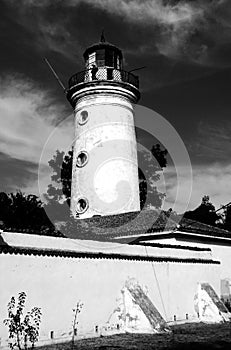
(212, 142)
(16, 174)
(196, 32)
(179, 42)
(186, 46)
(187, 104)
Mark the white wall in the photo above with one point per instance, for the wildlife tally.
(55, 284)
(219, 252)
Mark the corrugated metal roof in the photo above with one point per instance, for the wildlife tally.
(18, 243)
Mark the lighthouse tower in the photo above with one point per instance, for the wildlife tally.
(104, 169)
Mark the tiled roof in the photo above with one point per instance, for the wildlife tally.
(135, 224)
(188, 225)
(108, 227)
(186, 230)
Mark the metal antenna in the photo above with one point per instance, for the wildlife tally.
(137, 69)
(223, 207)
(102, 38)
(55, 74)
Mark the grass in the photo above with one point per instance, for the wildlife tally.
(187, 336)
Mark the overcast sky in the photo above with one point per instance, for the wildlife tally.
(186, 46)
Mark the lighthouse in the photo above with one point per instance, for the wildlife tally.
(104, 168)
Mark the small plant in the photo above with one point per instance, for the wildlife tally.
(22, 329)
(75, 323)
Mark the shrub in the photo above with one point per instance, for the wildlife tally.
(22, 329)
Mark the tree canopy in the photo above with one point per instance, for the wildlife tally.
(205, 213)
(60, 188)
(227, 217)
(19, 211)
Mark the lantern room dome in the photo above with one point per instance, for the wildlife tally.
(102, 45)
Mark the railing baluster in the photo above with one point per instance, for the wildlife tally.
(104, 73)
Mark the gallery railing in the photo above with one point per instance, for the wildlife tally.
(103, 73)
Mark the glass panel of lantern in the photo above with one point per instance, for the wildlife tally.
(91, 60)
(100, 58)
(109, 58)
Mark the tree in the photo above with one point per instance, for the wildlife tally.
(149, 195)
(58, 196)
(60, 189)
(22, 328)
(20, 211)
(75, 322)
(205, 213)
(227, 218)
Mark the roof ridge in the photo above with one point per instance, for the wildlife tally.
(205, 225)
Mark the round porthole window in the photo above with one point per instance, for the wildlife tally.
(83, 118)
(82, 159)
(82, 205)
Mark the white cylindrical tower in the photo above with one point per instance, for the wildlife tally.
(104, 169)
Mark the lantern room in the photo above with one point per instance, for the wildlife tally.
(103, 67)
(103, 54)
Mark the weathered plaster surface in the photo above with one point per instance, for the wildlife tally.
(56, 283)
